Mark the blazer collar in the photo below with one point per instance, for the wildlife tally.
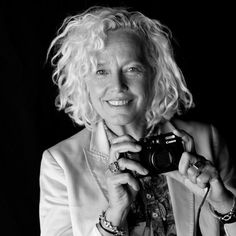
(99, 141)
(98, 158)
(183, 207)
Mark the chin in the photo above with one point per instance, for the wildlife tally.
(122, 121)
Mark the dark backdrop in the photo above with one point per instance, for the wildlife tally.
(203, 49)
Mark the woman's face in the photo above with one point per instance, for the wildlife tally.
(118, 87)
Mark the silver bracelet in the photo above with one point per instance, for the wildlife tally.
(108, 227)
(227, 218)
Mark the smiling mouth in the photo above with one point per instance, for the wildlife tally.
(118, 102)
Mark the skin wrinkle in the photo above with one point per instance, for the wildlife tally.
(120, 75)
(118, 82)
(72, 61)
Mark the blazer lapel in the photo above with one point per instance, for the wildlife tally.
(98, 164)
(182, 199)
(97, 157)
(183, 207)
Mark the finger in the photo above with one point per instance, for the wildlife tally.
(196, 169)
(200, 164)
(125, 146)
(211, 172)
(203, 180)
(123, 138)
(128, 164)
(200, 171)
(114, 168)
(187, 139)
(114, 153)
(130, 155)
(193, 173)
(121, 179)
(185, 162)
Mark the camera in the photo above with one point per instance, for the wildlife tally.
(161, 153)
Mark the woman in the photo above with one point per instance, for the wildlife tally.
(117, 76)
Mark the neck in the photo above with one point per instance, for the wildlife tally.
(135, 131)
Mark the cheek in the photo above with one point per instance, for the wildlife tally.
(95, 92)
(94, 99)
(142, 90)
(89, 84)
(148, 88)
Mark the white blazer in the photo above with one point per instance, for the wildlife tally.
(73, 191)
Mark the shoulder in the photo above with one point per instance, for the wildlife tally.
(80, 139)
(194, 127)
(206, 136)
(70, 148)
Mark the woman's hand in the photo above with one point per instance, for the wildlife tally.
(198, 173)
(122, 186)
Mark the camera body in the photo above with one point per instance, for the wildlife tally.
(161, 153)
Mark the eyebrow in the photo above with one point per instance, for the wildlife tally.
(139, 63)
(101, 64)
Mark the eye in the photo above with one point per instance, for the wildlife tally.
(101, 72)
(133, 69)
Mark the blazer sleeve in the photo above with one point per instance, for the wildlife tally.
(54, 211)
(224, 161)
(53, 207)
(227, 171)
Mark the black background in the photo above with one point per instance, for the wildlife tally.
(204, 50)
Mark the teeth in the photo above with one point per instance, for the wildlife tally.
(118, 102)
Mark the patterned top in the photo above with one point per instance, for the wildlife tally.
(152, 204)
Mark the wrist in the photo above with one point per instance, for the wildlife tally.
(102, 231)
(116, 217)
(108, 227)
(225, 218)
(225, 205)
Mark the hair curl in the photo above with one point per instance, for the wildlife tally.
(84, 33)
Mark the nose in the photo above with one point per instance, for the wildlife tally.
(118, 82)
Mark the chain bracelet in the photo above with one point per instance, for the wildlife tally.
(227, 218)
(107, 226)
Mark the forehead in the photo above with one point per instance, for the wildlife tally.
(123, 45)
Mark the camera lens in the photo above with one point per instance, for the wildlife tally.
(161, 160)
